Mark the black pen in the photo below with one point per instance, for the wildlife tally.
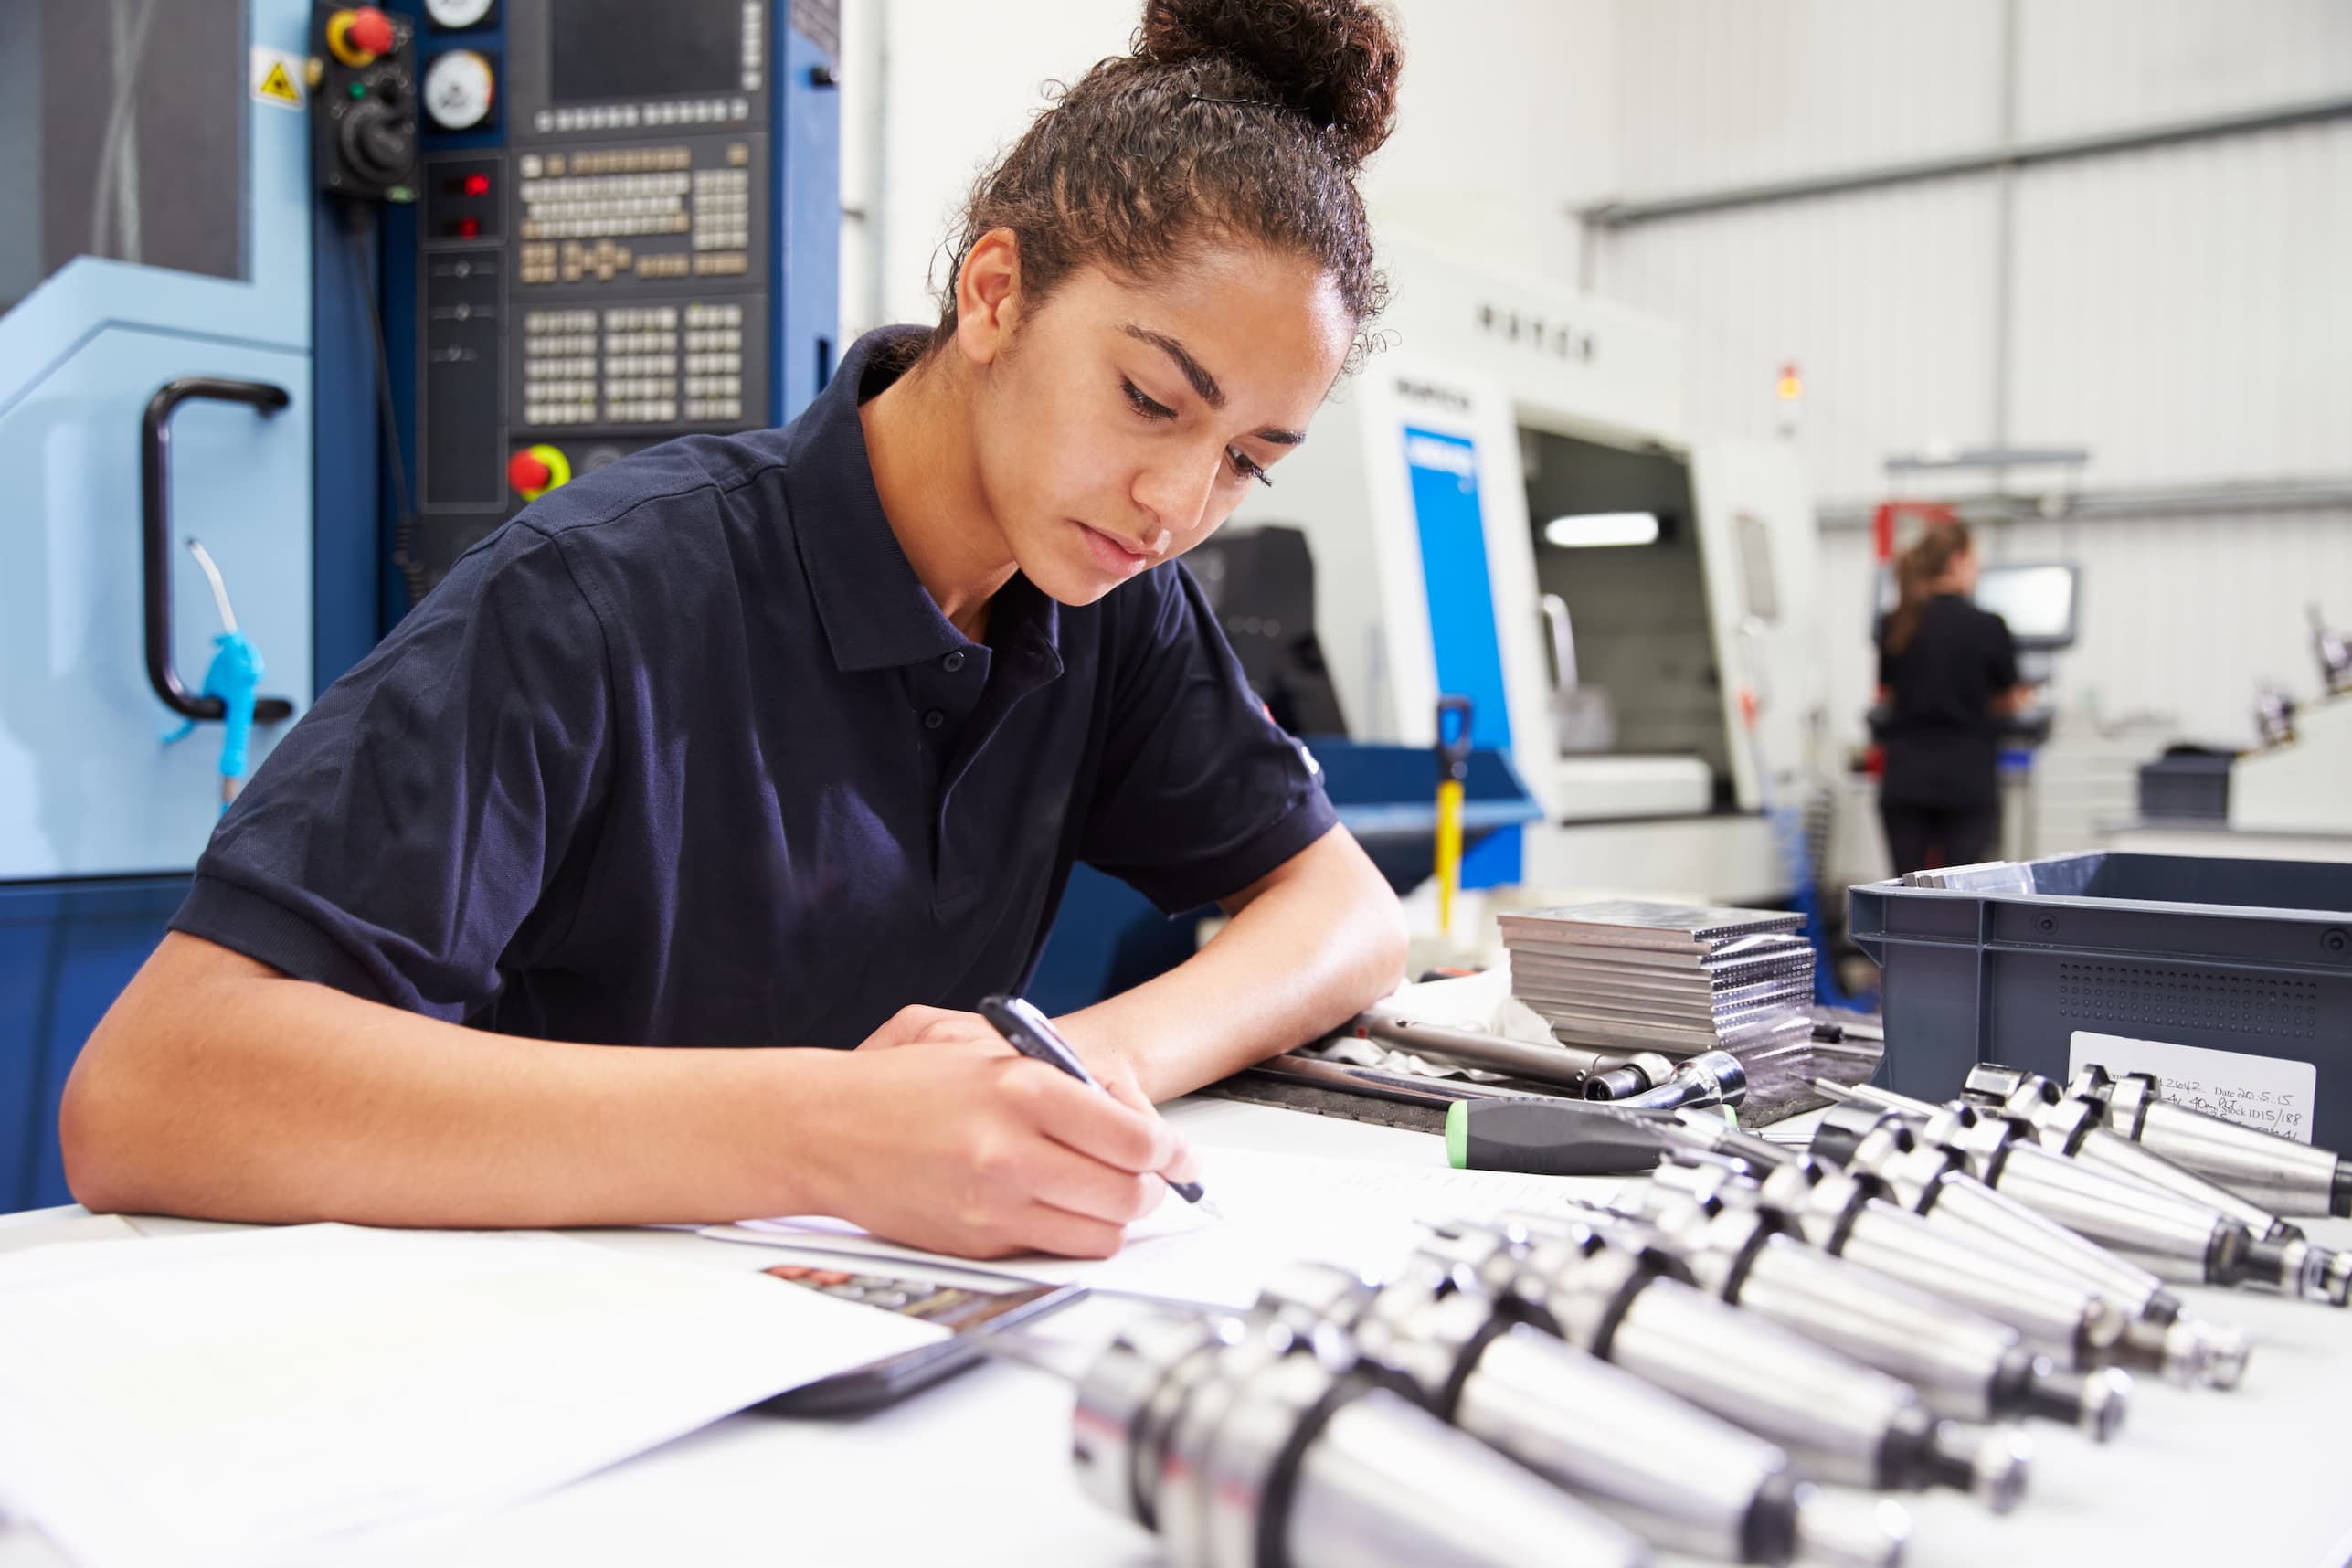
(1026, 1031)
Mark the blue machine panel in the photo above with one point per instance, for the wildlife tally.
(65, 953)
(1445, 469)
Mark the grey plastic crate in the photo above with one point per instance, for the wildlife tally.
(2235, 955)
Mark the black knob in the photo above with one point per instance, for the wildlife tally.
(378, 146)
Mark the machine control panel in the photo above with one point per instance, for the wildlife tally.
(596, 252)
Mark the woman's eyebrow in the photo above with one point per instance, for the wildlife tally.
(1202, 381)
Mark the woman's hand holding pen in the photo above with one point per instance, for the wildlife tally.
(960, 1145)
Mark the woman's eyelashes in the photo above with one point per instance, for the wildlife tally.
(1151, 408)
(1143, 404)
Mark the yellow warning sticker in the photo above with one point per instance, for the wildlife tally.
(277, 78)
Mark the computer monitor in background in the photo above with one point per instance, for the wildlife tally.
(2037, 598)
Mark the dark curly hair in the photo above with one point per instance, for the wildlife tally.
(1232, 119)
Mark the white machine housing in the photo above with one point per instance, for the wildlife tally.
(2304, 786)
(1480, 368)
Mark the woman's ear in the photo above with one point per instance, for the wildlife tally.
(988, 296)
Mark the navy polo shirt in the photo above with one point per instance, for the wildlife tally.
(684, 755)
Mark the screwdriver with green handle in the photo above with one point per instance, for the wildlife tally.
(1551, 1138)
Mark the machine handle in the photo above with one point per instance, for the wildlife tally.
(154, 508)
(1563, 642)
(1753, 632)
(1453, 755)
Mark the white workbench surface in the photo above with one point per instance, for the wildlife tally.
(976, 1472)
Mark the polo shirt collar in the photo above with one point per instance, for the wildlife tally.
(876, 611)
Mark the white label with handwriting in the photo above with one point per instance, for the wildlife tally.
(2272, 1094)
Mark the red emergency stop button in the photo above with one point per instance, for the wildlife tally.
(371, 29)
(357, 36)
(536, 469)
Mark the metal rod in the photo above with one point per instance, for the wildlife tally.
(2314, 493)
(2014, 156)
(1566, 1065)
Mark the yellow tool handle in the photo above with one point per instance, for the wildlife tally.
(1449, 850)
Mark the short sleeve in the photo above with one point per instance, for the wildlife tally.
(403, 832)
(1199, 793)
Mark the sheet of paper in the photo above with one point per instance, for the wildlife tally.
(81, 1228)
(230, 1398)
(2269, 1094)
(1278, 1208)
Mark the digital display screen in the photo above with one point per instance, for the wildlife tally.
(2036, 601)
(607, 49)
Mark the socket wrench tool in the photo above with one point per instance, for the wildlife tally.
(1244, 1446)
(2078, 1130)
(1963, 1364)
(2283, 1176)
(1935, 1184)
(1495, 1367)
(1709, 1078)
(1844, 1215)
(1636, 1307)
(2175, 1236)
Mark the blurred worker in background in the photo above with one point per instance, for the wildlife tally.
(1948, 677)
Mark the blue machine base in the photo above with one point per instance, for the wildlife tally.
(67, 949)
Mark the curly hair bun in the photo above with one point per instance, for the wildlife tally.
(1334, 62)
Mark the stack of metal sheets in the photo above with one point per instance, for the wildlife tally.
(1672, 977)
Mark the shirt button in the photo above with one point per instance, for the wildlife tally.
(934, 719)
(952, 663)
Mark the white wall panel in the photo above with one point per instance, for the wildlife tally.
(2184, 615)
(1880, 297)
(2187, 311)
(1714, 93)
(2099, 65)
(963, 81)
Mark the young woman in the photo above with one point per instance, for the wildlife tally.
(1947, 676)
(563, 906)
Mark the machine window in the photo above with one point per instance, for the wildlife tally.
(125, 122)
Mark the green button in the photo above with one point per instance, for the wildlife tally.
(1458, 1135)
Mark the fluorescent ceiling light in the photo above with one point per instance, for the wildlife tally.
(1595, 528)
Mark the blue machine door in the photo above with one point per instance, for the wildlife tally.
(154, 225)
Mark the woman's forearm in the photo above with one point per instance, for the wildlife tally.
(218, 1087)
(1308, 948)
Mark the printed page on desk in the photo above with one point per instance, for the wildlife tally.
(1279, 1209)
(236, 1397)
